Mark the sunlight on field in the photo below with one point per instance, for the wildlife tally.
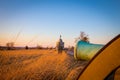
(38, 65)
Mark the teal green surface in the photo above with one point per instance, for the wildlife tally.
(85, 51)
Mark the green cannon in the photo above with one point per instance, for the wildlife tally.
(85, 50)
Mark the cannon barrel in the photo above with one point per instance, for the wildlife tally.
(85, 50)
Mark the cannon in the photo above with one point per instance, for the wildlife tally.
(85, 51)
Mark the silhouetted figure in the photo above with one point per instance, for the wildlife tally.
(60, 45)
(26, 47)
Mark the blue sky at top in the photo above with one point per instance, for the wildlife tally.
(47, 19)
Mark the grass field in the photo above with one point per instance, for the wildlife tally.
(38, 65)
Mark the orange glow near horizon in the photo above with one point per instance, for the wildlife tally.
(48, 42)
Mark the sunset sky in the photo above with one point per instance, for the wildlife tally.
(42, 21)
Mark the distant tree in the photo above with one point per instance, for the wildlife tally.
(83, 36)
(10, 45)
(39, 47)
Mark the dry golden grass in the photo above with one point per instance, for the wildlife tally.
(38, 65)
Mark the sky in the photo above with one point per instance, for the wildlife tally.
(41, 22)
